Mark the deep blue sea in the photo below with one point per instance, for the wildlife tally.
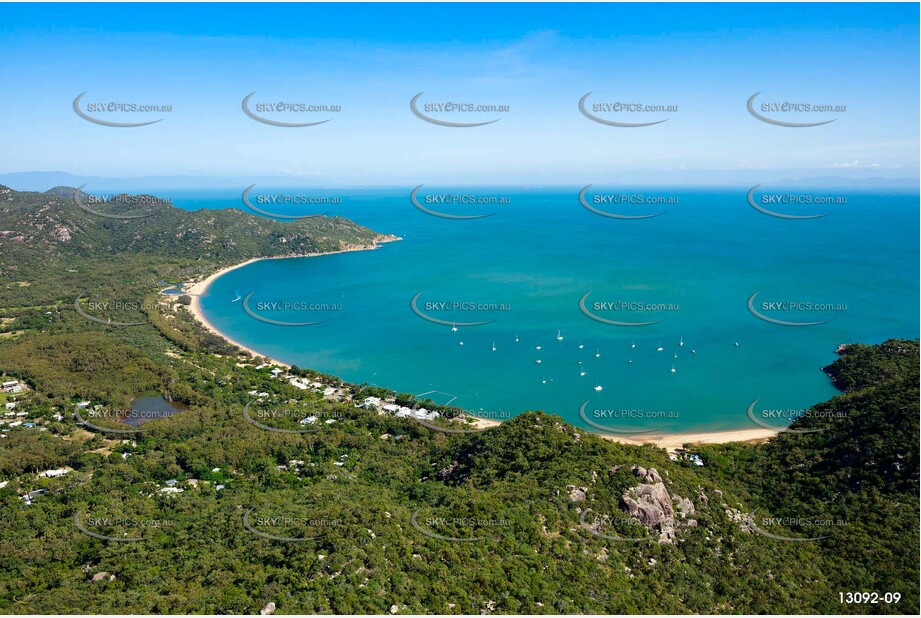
(524, 269)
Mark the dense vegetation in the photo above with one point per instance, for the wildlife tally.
(369, 503)
(52, 249)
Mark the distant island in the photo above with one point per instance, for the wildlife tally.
(39, 180)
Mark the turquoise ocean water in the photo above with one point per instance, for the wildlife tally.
(532, 261)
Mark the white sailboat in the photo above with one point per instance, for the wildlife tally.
(453, 327)
(493, 346)
(559, 337)
(681, 341)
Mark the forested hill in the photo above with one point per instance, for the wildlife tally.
(45, 233)
(534, 516)
(853, 460)
(61, 222)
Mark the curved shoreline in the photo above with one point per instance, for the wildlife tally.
(670, 442)
(196, 289)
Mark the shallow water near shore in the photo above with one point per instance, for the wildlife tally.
(534, 259)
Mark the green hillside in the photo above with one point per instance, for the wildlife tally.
(208, 512)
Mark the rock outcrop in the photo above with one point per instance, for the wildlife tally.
(650, 476)
(577, 494)
(650, 504)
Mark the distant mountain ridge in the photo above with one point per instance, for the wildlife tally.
(41, 181)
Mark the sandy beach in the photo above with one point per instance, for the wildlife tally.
(197, 288)
(482, 423)
(670, 442)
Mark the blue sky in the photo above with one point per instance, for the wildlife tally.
(538, 59)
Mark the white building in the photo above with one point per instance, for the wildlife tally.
(54, 473)
(370, 402)
(298, 383)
